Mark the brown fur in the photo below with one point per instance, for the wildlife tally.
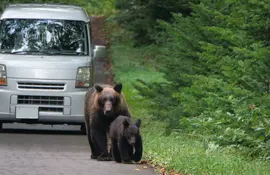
(91, 102)
(125, 137)
(91, 107)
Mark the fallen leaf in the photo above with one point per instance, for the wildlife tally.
(172, 172)
(162, 170)
(136, 169)
(144, 167)
(142, 162)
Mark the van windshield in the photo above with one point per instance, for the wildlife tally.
(43, 36)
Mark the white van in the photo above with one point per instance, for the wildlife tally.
(46, 63)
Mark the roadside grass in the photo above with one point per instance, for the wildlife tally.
(182, 153)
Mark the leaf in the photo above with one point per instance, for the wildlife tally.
(259, 129)
(136, 169)
(261, 138)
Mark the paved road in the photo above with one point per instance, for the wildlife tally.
(44, 150)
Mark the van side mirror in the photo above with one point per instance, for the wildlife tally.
(100, 51)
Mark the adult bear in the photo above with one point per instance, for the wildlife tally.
(125, 137)
(103, 103)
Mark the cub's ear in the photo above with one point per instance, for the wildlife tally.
(98, 88)
(125, 123)
(138, 123)
(118, 88)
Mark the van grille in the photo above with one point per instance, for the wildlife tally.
(40, 100)
(46, 86)
(47, 109)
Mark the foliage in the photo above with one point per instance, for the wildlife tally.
(93, 7)
(186, 153)
(216, 62)
(140, 17)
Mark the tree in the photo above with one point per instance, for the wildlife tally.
(216, 61)
(93, 7)
(140, 16)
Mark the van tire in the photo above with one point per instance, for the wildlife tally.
(1, 126)
(83, 129)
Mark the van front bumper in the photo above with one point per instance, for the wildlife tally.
(33, 106)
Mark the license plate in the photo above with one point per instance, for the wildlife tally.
(26, 112)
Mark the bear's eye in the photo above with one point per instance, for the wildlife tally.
(100, 101)
(104, 100)
(112, 99)
(115, 100)
(130, 133)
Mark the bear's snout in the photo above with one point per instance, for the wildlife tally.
(132, 140)
(107, 107)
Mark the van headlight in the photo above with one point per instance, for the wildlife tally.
(83, 77)
(3, 75)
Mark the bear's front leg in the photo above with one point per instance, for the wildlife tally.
(115, 151)
(94, 153)
(124, 151)
(99, 139)
(138, 149)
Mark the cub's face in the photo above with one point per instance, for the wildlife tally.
(131, 131)
(109, 98)
(131, 134)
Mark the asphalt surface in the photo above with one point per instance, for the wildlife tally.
(58, 150)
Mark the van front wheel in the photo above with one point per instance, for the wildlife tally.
(83, 129)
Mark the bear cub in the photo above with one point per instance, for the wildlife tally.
(126, 141)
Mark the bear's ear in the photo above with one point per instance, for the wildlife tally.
(98, 88)
(138, 123)
(125, 123)
(118, 88)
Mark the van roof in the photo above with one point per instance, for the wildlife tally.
(45, 11)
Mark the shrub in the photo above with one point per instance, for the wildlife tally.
(216, 61)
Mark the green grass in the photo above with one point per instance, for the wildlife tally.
(187, 155)
(184, 153)
(127, 68)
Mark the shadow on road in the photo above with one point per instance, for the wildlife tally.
(40, 131)
(17, 128)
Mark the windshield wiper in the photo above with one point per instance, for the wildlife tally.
(63, 52)
(24, 51)
(47, 52)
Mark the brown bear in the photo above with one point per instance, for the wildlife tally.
(126, 140)
(103, 103)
